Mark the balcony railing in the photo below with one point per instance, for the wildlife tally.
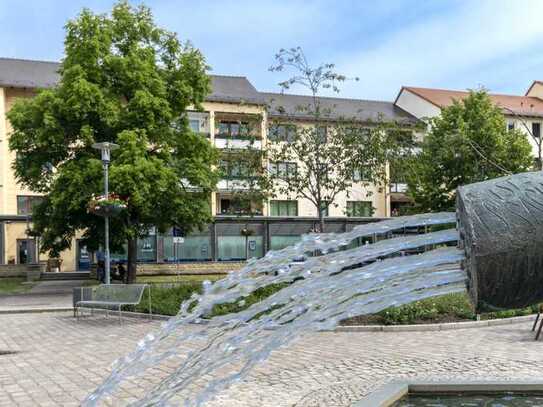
(234, 184)
(398, 187)
(237, 143)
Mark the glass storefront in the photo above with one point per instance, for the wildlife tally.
(193, 248)
(147, 249)
(233, 247)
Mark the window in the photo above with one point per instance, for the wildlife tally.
(360, 174)
(283, 170)
(324, 208)
(26, 203)
(282, 132)
(536, 129)
(283, 208)
(321, 135)
(234, 169)
(510, 125)
(359, 208)
(194, 125)
(230, 206)
(233, 129)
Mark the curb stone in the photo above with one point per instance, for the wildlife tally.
(434, 327)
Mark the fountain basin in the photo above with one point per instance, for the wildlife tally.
(391, 394)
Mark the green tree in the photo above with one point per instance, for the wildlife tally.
(332, 152)
(468, 142)
(127, 81)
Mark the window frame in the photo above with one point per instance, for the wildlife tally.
(357, 209)
(238, 130)
(288, 136)
(195, 121)
(538, 124)
(31, 201)
(290, 169)
(284, 207)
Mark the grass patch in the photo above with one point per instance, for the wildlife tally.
(243, 303)
(14, 285)
(167, 300)
(446, 308)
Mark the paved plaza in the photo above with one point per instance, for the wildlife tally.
(57, 361)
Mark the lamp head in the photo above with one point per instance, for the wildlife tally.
(105, 148)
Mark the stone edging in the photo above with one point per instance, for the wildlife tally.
(391, 392)
(34, 310)
(347, 328)
(434, 327)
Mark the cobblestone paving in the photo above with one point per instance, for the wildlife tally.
(58, 361)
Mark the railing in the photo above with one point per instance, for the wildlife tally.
(398, 187)
(237, 143)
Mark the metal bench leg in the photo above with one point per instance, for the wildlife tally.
(535, 322)
(150, 304)
(539, 330)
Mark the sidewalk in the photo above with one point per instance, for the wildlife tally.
(44, 295)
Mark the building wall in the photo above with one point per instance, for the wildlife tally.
(358, 192)
(521, 125)
(16, 229)
(417, 106)
(10, 189)
(536, 90)
(421, 109)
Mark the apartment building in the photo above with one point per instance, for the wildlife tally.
(524, 112)
(232, 104)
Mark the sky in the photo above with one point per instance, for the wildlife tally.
(452, 44)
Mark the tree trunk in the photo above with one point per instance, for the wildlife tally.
(321, 221)
(132, 261)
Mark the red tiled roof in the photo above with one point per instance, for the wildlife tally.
(521, 105)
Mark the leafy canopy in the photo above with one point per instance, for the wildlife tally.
(468, 142)
(332, 152)
(127, 81)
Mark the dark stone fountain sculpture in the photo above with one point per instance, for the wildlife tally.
(501, 230)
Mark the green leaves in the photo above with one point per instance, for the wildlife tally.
(127, 81)
(469, 142)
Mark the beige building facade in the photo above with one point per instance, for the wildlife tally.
(232, 102)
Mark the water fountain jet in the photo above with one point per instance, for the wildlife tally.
(343, 281)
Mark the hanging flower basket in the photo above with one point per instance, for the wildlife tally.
(108, 206)
(246, 232)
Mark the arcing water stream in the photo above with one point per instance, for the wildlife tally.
(332, 283)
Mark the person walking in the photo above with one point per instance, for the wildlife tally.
(100, 267)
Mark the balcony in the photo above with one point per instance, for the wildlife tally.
(225, 142)
(227, 204)
(199, 123)
(398, 187)
(233, 184)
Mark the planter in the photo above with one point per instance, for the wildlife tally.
(108, 210)
(246, 232)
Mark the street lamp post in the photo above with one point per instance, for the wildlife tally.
(105, 149)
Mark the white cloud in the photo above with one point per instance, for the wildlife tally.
(431, 52)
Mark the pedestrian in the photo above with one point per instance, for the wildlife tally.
(100, 267)
(122, 272)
